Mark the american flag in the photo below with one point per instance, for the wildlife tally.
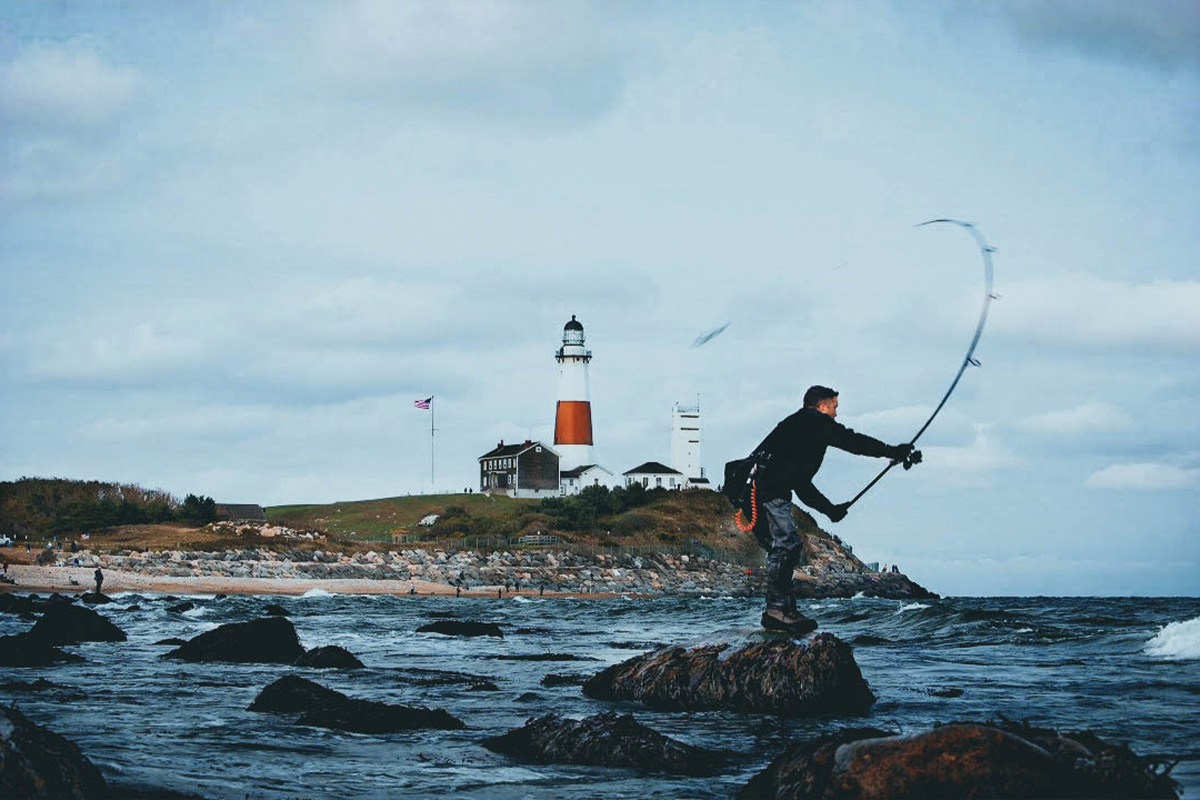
(423, 403)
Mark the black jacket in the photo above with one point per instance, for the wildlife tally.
(797, 447)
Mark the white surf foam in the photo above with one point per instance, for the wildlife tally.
(1177, 641)
(910, 607)
(316, 593)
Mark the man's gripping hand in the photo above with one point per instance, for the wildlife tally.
(838, 512)
(900, 452)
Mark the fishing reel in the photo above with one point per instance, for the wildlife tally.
(912, 458)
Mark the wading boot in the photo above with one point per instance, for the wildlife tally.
(791, 622)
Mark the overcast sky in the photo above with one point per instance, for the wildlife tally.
(237, 241)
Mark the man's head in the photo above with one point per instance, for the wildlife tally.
(823, 399)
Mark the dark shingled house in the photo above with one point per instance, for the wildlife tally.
(529, 469)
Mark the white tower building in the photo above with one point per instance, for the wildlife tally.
(685, 441)
(573, 417)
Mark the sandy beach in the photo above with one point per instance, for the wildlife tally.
(73, 580)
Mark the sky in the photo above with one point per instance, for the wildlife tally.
(237, 241)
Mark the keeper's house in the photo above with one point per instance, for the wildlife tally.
(573, 481)
(529, 469)
(653, 475)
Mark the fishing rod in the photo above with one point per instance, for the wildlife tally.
(969, 360)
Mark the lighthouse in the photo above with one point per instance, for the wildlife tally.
(573, 416)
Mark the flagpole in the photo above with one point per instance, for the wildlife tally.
(432, 460)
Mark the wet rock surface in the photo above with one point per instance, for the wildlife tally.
(323, 707)
(608, 740)
(960, 760)
(36, 762)
(270, 640)
(64, 623)
(329, 657)
(23, 650)
(779, 675)
(454, 627)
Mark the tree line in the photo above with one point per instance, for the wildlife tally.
(35, 507)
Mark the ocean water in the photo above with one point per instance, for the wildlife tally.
(1126, 668)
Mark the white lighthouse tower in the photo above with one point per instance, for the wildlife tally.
(573, 417)
(685, 442)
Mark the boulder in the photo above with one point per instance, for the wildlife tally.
(275, 610)
(330, 657)
(960, 760)
(605, 740)
(454, 627)
(68, 624)
(781, 676)
(322, 707)
(36, 762)
(22, 650)
(179, 608)
(270, 640)
(94, 598)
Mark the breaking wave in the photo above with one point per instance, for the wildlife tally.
(1177, 641)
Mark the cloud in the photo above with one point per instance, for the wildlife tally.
(1091, 417)
(1144, 475)
(61, 87)
(506, 61)
(1080, 310)
(1164, 33)
(968, 464)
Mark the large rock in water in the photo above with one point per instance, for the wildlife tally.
(962, 760)
(69, 624)
(329, 657)
(779, 676)
(605, 740)
(270, 640)
(323, 707)
(454, 627)
(36, 762)
(22, 650)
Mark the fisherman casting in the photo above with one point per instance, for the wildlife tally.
(786, 462)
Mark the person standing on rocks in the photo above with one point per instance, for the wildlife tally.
(99, 576)
(791, 455)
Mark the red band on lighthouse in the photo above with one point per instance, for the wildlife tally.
(573, 422)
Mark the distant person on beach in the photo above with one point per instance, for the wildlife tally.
(792, 453)
(99, 576)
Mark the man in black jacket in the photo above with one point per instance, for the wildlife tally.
(794, 451)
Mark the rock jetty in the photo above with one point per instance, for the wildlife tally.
(779, 675)
(832, 570)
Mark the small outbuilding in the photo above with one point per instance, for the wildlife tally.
(241, 512)
(652, 475)
(574, 480)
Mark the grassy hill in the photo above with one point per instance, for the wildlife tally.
(630, 519)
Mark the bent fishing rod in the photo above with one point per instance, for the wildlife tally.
(969, 360)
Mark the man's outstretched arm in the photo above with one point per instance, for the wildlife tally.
(860, 444)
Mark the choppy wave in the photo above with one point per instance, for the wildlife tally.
(1177, 641)
(911, 607)
(316, 593)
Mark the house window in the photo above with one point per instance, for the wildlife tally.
(537, 449)
(658, 481)
(645, 481)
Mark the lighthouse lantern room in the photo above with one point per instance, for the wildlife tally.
(573, 416)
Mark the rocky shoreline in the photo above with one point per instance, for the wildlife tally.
(526, 570)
